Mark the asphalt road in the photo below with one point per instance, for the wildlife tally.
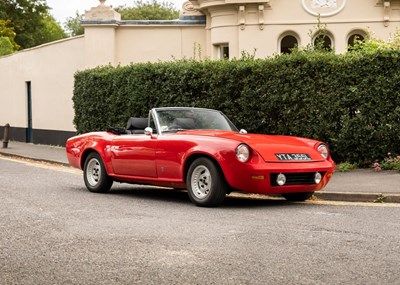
(53, 231)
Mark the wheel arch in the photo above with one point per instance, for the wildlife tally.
(103, 155)
(85, 154)
(195, 156)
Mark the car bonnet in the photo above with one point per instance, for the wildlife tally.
(270, 146)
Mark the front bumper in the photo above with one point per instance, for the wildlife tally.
(261, 177)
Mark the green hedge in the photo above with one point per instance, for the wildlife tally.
(350, 101)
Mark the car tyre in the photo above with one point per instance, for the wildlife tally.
(302, 196)
(95, 175)
(206, 183)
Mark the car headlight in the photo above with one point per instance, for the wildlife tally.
(243, 153)
(323, 150)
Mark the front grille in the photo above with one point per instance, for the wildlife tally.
(296, 178)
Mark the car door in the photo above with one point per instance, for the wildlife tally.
(170, 153)
(134, 155)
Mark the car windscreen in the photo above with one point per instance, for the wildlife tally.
(193, 119)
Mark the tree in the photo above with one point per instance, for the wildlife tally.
(8, 38)
(73, 25)
(30, 20)
(6, 46)
(148, 11)
(52, 30)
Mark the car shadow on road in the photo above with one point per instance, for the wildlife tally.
(171, 195)
(151, 193)
(250, 202)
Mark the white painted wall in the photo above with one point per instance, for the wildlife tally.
(50, 69)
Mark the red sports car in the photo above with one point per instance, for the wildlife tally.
(202, 151)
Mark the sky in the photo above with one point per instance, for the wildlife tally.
(62, 9)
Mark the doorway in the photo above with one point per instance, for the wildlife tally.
(29, 132)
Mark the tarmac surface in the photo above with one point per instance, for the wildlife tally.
(359, 185)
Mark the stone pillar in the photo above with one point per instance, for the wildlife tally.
(100, 24)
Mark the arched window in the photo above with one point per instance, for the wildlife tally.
(355, 37)
(287, 43)
(323, 41)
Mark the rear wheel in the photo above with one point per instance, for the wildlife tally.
(205, 182)
(95, 175)
(302, 196)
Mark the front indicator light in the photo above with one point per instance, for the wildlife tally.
(317, 177)
(258, 177)
(281, 179)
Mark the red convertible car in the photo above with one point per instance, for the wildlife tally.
(202, 151)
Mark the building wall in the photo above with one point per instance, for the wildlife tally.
(143, 43)
(49, 69)
(100, 45)
(259, 24)
(252, 26)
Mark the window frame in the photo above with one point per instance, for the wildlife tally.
(284, 35)
(326, 34)
(219, 49)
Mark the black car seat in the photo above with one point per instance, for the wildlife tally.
(136, 125)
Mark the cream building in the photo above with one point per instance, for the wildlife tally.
(36, 85)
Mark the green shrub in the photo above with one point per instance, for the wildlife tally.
(350, 101)
(347, 166)
(388, 163)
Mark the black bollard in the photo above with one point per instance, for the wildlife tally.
(6, 135)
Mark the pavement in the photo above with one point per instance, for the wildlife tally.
(359, 185)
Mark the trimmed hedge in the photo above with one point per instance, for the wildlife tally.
(350, 101)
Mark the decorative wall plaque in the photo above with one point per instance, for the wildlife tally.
(324, 8)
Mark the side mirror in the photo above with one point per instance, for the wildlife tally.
(148, 131)
(243, 131)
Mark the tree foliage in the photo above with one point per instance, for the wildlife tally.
(52, 30)
(31, 22)
(7, 35)
(372, 44)
(73, 25)
(149, 11)
(6, 46)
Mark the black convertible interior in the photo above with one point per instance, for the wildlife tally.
(183, 123)
(136, 125)
(133, 126)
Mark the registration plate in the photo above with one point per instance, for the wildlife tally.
(292, 156)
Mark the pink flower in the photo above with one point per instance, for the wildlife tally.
(377, 167)
(389, 153)
(398, 157)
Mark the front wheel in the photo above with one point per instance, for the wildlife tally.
(301, 196)
(205, 182)
(95, 175)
